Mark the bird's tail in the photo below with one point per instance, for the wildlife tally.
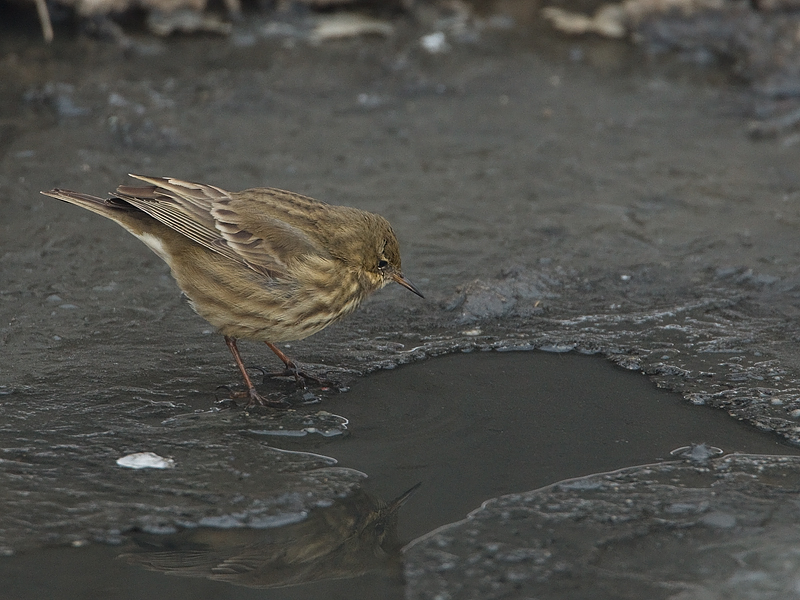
(109, 208)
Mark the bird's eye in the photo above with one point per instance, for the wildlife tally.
(382, 264)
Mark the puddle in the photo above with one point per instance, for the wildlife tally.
(469, 427)
(475, 426)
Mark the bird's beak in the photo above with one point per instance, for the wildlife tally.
(395, 504)
(398, 277)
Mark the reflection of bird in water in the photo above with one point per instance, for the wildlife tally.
(349, 538)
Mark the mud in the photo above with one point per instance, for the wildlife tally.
(547, 193)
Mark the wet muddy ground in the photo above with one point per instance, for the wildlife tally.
(468, 428)
(547, 193)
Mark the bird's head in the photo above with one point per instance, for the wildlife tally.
(379, 259)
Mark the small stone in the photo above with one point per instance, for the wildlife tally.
(145, 460)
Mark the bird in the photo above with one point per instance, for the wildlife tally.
(353, 536)
(261, 264)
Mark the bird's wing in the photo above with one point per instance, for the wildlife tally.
(246, 229)
(266, 224)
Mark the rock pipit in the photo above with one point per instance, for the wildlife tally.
(261, 264)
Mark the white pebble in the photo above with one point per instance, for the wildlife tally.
(145, 460)
(434, 42)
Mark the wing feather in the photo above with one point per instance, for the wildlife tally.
(262, 228)
(257, 235)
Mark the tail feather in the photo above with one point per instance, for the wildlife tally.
(116, 209)
(109, 207)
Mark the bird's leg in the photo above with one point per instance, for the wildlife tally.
(292, 370)
(253, 397)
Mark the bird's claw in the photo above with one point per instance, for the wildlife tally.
(301, 377)
(256, 399)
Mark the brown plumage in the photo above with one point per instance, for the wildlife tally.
(261, 264)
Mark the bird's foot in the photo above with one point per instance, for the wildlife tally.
(302, 377)
(256, 399)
